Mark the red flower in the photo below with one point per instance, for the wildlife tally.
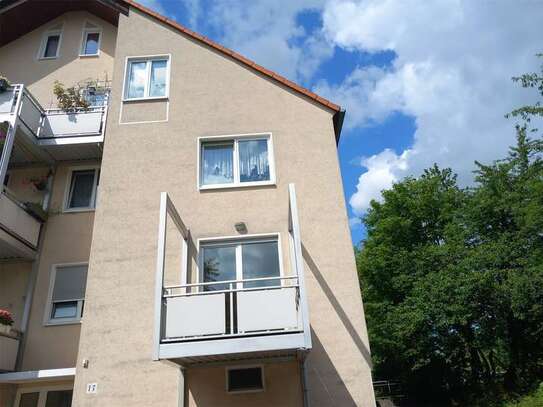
(5, 317)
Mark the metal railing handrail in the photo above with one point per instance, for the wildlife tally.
(230, 290)
(247, 280)
(78, 110)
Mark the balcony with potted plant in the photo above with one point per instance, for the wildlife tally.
(9, 342)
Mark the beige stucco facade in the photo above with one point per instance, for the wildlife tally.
(151, 147)
(19, 60)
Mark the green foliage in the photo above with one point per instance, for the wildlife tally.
(452, 281)
(4, 83)
(532, 400)
(70, 98)
(529, 80)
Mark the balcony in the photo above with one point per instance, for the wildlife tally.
(9, 345)
(54, 131)
(19, 229)
(227, 320)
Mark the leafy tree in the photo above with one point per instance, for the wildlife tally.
(452, 278)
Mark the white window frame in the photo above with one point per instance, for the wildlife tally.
(235, 139)
(86, 32)
(43, 44)
(148, 59)
(42, 390)
(67, 191)
(237, 241)
(229, 368)
(47, 319)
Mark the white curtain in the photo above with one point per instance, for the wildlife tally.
(253, 160)
(218, 164)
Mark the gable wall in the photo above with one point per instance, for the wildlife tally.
(19, 60)
(212, 95)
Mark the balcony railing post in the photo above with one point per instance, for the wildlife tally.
(296, 244)
(159, 276)
(232, 310)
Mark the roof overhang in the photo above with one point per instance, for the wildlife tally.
(19, 17)
(31, 376)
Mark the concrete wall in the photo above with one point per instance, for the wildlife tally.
(67, 240)
(206, 387)
(20, 64)
(212, 95)
(13, 283)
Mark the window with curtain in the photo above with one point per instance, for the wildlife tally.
(68, 293)
(146, 78)
(239, 161)
(83, 189)
(241, 260)
(217, 163)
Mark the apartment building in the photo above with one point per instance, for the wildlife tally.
(177, 237)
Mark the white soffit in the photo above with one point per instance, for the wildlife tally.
(38, 375)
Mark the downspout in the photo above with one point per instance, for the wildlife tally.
(305, 390)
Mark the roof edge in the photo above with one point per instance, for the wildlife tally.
(239, 58)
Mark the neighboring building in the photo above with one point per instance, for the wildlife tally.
(217, 268)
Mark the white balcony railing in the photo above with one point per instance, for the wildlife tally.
(193, 313)
(17, 222)
(224, 320)
(18, 102)
(9, 345)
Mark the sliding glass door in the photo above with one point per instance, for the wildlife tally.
(240, 260)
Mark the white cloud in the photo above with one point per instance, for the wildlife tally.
(268, 32)
(156, 5)
(452, 74)
(384, 168)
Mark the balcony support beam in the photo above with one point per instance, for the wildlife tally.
(296, 247)
(166, 209)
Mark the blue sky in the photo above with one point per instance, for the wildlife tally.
(423, 82)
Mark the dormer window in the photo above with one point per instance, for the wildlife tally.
(50, 45)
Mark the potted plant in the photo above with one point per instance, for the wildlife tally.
(4, 84)
(6, 321)
(69, 99)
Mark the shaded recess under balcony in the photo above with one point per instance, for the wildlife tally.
(34, 137)
(243, 319)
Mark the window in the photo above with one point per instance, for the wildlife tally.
(59, 398)
(53, 396)
(50, 45)
(67, 293)
(147, 78)
(82, 189)
(29, 399)
(249, 258)
(248, 379)
(241, 161)
(91, 43)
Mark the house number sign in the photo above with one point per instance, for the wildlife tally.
(92, 388)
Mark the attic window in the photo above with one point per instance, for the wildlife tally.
(50, 45)
(91, 43)
(147, 78)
